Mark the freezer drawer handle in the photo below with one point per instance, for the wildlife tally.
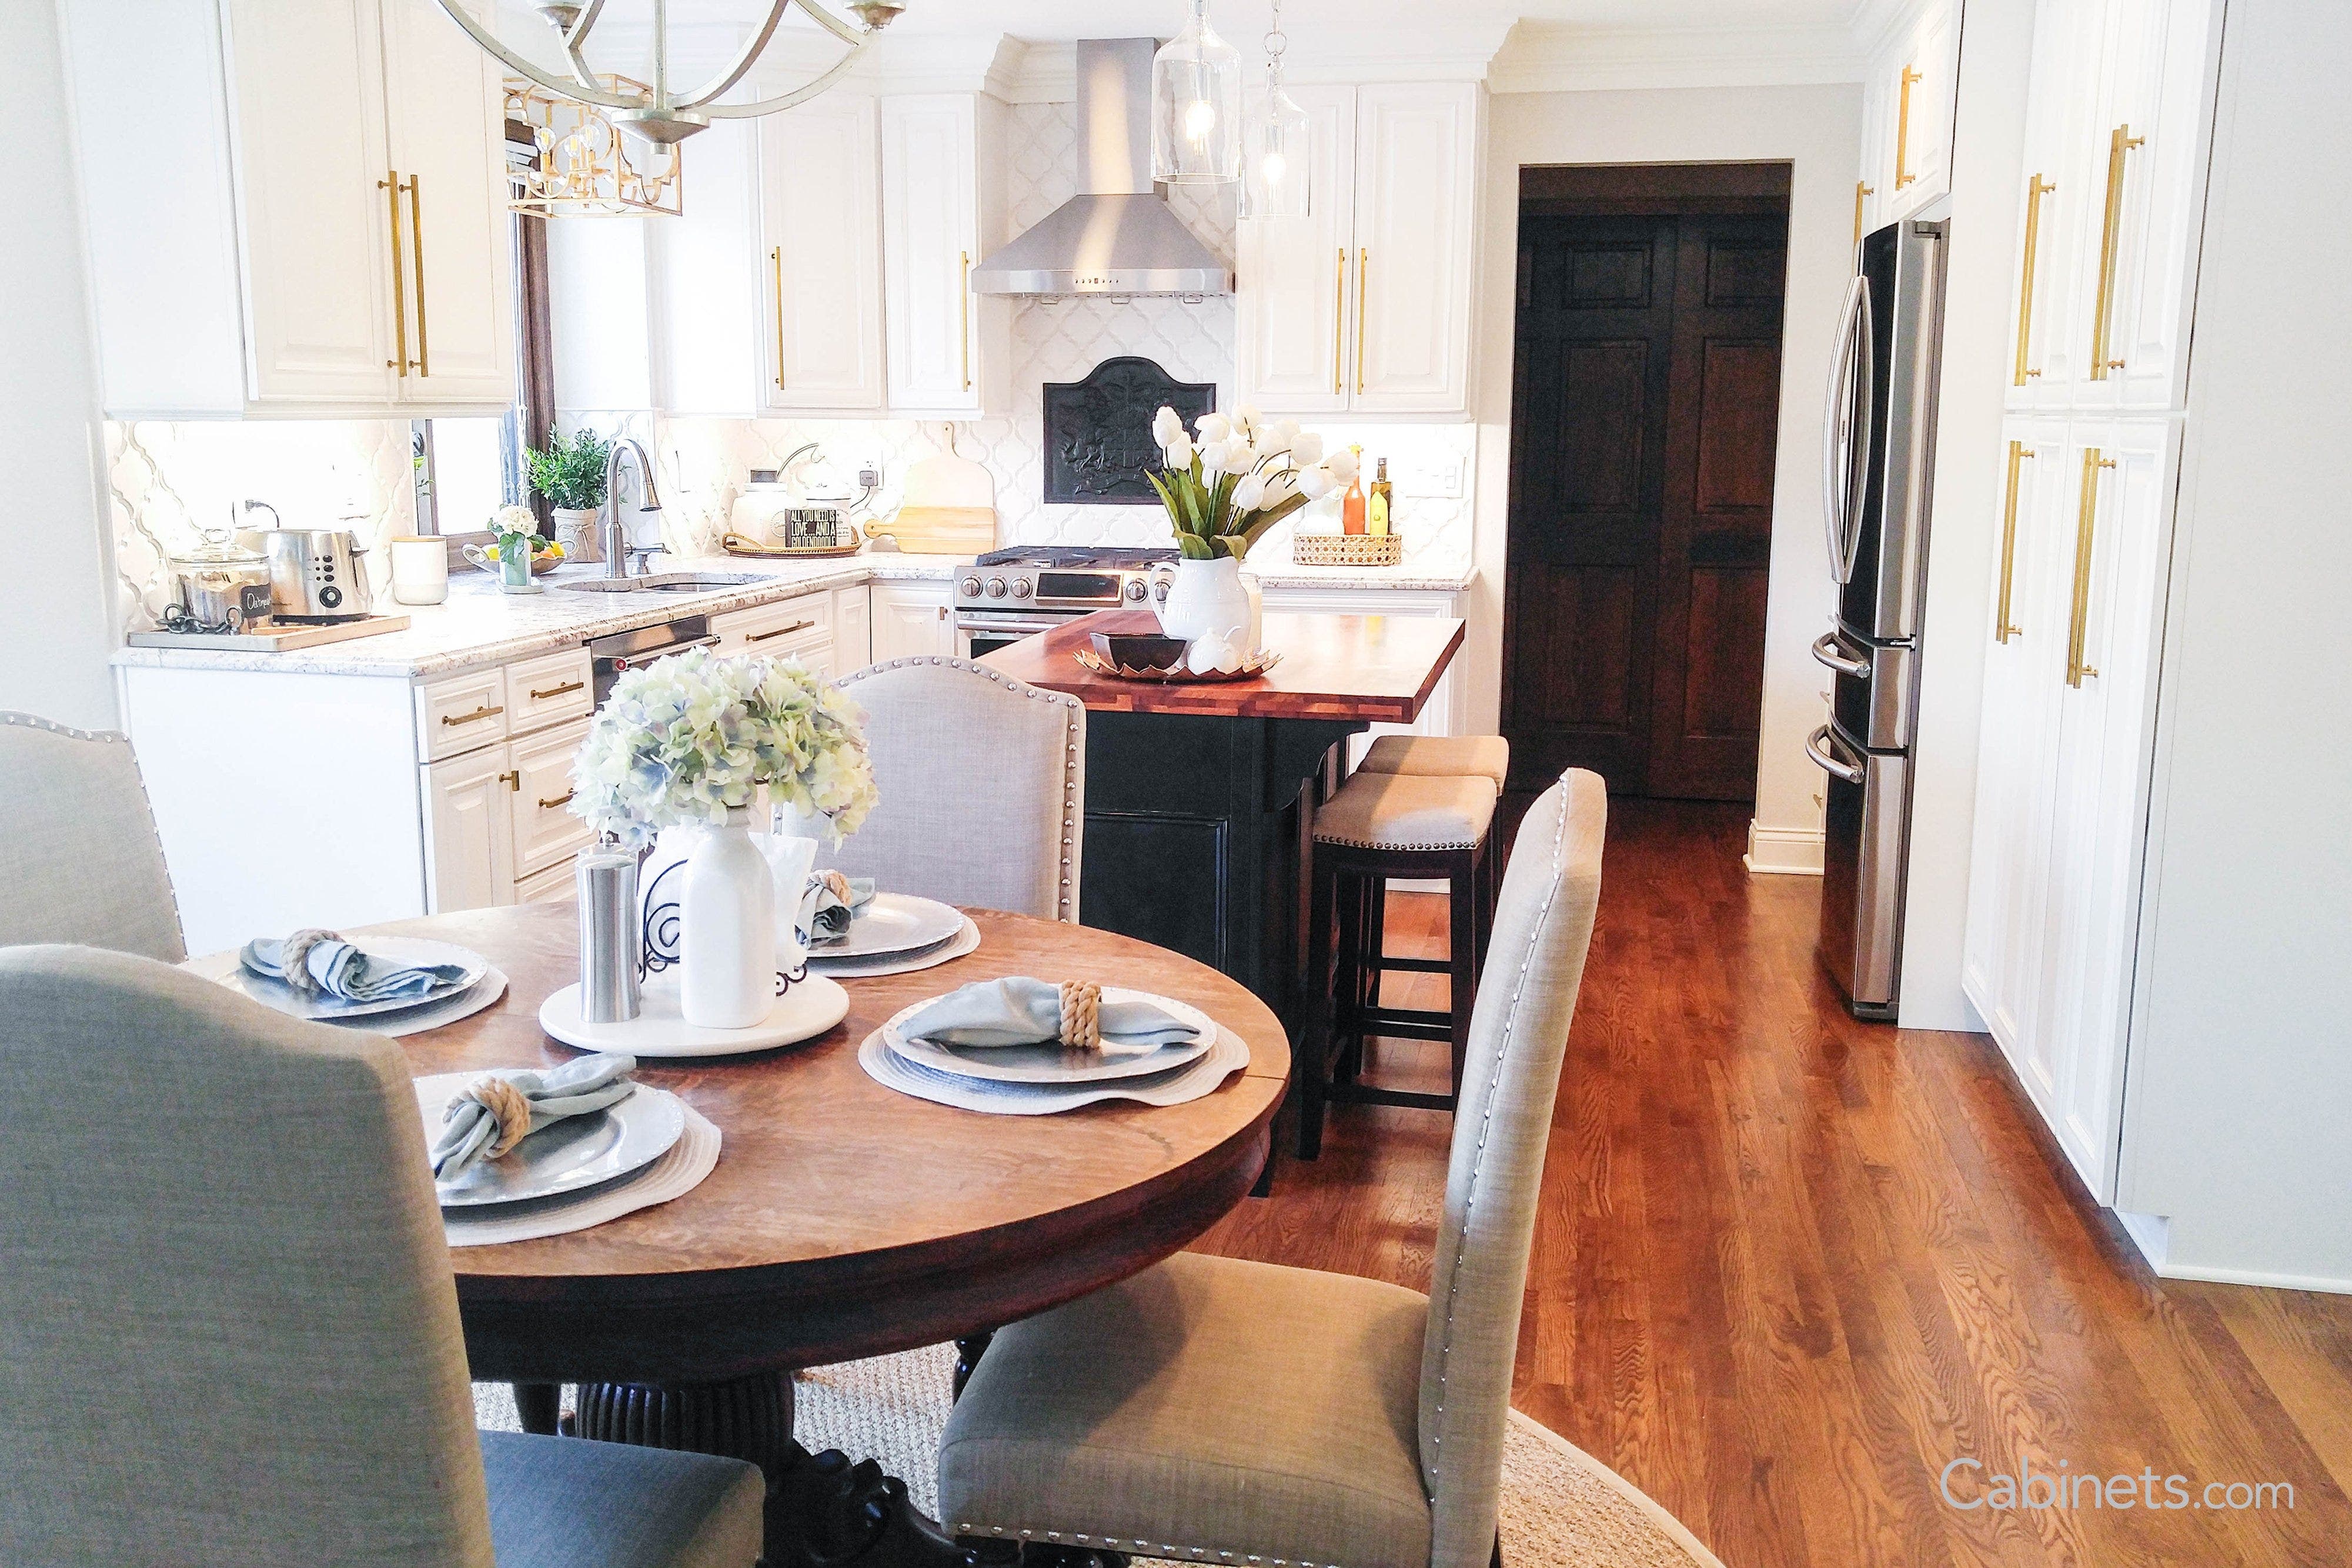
(1825, 649)
(1817, 748)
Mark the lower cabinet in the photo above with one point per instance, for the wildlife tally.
(910, 618)
(1438, 717)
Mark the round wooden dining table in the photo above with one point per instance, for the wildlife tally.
(844, 1219)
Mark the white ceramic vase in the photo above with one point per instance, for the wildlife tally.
(790, 849)
(727, 961)
(1208, 598)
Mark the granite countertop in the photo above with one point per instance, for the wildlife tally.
(478, 625)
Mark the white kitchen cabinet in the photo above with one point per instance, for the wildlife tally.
(910, 619)
(942, 209)
(1909, 158)
(852, 638)
(469, 847)
(1364, 305)
(546, 834)
(694, 291)
(260, 241)
(798, 628)
(2058, 204)
(821, 273)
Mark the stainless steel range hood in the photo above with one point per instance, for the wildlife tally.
(1118, 236)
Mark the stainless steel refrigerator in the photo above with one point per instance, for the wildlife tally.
(1877, 470)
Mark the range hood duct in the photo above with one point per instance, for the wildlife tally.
(1118, 236)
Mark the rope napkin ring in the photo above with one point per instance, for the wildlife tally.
(509, 1106)
(294, 960)
(835, 883)
(1081, 1015)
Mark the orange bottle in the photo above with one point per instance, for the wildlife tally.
(1352, 504)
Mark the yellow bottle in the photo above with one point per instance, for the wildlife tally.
(1376, 511)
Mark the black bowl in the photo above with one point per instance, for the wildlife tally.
(1141, 653)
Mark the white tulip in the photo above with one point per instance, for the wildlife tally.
(1286, 435)
(1247, 415)
(1213, 427)
(1279, 488)
(1178, 452)
(1314, 483)
(1239, 458)
(1342, 464)
(1249, 494)
(1167, 427)
(1212, 455)
(1306, 450)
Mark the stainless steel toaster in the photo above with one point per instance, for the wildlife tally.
(315, 574)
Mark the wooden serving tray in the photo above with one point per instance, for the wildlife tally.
(274, 638)
(751, 550)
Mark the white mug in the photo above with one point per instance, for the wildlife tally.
(420, 568)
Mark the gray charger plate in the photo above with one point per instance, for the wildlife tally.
(561, 1159)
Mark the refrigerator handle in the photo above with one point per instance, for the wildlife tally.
(1817, 746)
(1826, 650)
(1845, 441)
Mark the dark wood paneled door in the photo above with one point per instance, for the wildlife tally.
(1644, 413)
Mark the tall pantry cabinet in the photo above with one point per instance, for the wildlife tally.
(2117, 144)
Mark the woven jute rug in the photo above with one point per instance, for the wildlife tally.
(1561, 1508)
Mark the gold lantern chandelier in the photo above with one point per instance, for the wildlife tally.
(658, 112)
(580, 165)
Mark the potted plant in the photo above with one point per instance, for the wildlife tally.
(570, 474)
(1225, 483)
(682, 744)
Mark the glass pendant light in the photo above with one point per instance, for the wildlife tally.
(1277, 141)
(1196, 102)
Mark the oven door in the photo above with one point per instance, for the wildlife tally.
(980, 632)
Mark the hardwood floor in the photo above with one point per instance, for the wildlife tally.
(1790, 1266)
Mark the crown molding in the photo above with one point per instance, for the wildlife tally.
(1553, 58)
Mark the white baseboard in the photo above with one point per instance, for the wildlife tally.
(1782, 852)
(2149, 1233)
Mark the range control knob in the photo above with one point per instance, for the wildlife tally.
(996, 587)
(969, 587)
(1020, 588)
(1137, 589)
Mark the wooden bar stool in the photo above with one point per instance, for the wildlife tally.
(1380, 825)
(1443, 755)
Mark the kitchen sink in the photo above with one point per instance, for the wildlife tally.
(661, 583)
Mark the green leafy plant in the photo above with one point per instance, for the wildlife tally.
(571, 472)
(1239, 478)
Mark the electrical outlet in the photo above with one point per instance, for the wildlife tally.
(869, 476)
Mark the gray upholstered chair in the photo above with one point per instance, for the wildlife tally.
(80, 860)
(983, 784)
(228, 1331)
(1244, 1413)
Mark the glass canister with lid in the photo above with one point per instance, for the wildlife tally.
(217, 586)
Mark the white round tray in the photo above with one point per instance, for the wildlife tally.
(811, 1007)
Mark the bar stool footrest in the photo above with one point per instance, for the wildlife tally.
(1366, 1094)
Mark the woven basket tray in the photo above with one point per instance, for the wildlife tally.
(1346, 549)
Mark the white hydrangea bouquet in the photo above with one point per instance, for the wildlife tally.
(687, 739)
(1236, 475)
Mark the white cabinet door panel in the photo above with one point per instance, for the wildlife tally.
(853, 641)
(820, 278)
(469, 831)
(546, 833)
(1296, 276)
(910, 618)
(932, 241)
(2161, 65)
(1416, 176)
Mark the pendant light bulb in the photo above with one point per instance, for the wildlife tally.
(1196, 106)
(1277, 140)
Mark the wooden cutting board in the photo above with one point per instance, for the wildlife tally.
(948, 507)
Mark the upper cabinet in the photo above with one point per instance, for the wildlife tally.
(1907, 117)
(292, 210)
(942, 209)
(1363, 307)
(821, 258)
(2110, 198)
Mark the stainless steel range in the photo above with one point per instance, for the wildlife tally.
(1009, 594)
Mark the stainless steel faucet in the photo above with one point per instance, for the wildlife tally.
(617, 548)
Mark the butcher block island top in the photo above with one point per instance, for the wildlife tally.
(1374, 668)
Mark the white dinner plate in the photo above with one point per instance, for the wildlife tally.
(563, 1157)
(891, 924)
(401, 950)
(812, 1006)
(1230, 1055)
(1053, 1063)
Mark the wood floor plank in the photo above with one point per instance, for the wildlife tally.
(1788, 1266)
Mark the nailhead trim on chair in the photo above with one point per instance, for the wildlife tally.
(1369, 845)
(1065, 902)
(1486, 1119)
(1145, 1548)
(111, 737)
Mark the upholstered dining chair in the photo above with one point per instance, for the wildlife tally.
(80, 860)
(1241, 1413)
(984, 787)
(228, 1329)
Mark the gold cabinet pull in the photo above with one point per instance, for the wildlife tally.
(780, 632)
(1903, 174)
(1339, 323)
(2034, 191)
(561, 800)
(963, 298)
(513, 781)
(1363, 322)
(392, 187)
(2086, 522)
(1862, 192)
(487, 710)
(776, 257)
(416, 261)
(2003, 628)
(564, 690)
(2120, 142)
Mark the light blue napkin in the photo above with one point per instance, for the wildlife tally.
(825, 915)
(469, 1128)
(332, 966)
(1018, 1010)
